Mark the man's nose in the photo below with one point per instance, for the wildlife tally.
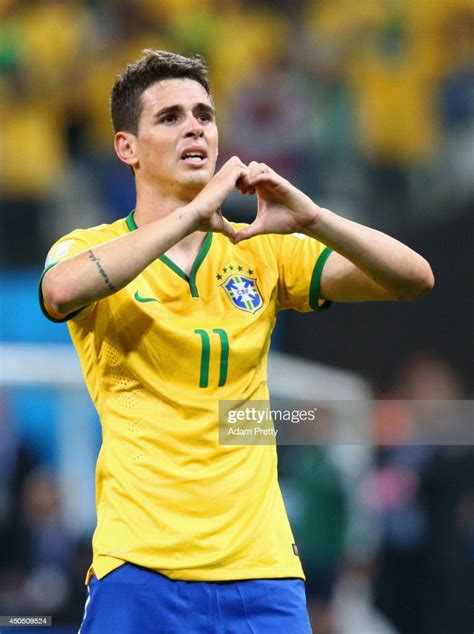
(193, 127)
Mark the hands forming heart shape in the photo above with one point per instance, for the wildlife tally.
(281, 207)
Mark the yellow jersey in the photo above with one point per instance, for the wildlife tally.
(157, 358)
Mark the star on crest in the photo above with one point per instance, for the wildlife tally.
(232, 268)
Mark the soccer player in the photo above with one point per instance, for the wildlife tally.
(171, 310)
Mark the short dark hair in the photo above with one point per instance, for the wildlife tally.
(126, 104)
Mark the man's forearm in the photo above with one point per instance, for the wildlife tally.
(388, 262)
(103, 270)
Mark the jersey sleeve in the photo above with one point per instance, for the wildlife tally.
(67, 246)
(301, 260)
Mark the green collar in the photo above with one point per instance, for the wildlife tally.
(191, 280)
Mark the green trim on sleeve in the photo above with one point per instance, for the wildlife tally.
(68, 316)
(315, 284)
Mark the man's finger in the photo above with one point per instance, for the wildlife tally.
(255, 229)
(243, 181)
(245, 189)
(263, 177)
(257, 168)
(228, 230)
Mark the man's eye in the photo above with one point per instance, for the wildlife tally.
(205, 116)
(169, 118)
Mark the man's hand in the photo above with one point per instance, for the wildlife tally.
(282, 208)
(206, 206)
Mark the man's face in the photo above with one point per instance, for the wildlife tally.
(176, 145)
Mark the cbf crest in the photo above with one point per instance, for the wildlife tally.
(243, 292)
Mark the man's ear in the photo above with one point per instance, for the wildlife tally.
(125, 147)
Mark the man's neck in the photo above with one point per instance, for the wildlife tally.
(153, 204)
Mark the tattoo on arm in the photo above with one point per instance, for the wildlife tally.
(104, 275)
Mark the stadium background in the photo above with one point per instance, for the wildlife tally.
(369, 107)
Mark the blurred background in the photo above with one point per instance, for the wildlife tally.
(368, 106)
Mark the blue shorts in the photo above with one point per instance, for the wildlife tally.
(135, 600)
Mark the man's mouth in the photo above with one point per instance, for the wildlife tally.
(194, 156)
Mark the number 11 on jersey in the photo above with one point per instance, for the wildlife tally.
(206, 354)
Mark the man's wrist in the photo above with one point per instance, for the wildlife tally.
(188, 218)
(312, 225)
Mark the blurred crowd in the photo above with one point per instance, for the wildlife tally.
(385, 530)
(368, 105)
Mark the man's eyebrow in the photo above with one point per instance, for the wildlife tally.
(168, 110)
(206, 107)
(176, 108)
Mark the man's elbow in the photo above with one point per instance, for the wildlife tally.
(56, 302)
(56, 296)
(419, 285)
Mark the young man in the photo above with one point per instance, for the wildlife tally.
(171, 311)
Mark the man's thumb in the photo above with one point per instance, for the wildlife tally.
(228, 230)
(247, 232)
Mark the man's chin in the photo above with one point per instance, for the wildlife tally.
(196, 180)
